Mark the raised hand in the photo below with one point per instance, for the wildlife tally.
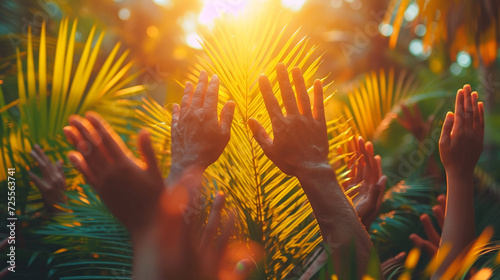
(300, 138)
(129, 186)
(414, 123)
(431, 245)
(368, 175)
(462, 136)
(52, 184)
(198, 138)
(460, 147)
(300, 148)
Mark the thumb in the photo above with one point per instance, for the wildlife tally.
(446, 131)
(260, 135)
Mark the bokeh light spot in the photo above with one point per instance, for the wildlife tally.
(420, 30)
(167, 3)
(193, 40)
(153, 31)
(356, 5)
(294, 5)
(385, 29)
(455, 69)
(411, 12)
(215, 8)
(416, 47)
(124, 14)
(336, 3)
(463, 59)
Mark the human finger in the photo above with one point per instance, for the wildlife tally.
(286, 90)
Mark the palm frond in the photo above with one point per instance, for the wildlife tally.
(47, 97)
(400, 211)
(46, 105)
(156, 119)
(100, 246)
(368, 105)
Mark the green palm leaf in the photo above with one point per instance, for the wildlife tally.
(91, 243)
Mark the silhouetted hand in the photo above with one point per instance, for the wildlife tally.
(172, 248)
(431, 245)
(462, 136)
(52, 184)
(300, 138)
(198, 138)
(414, 123)
(368, 175)
(129, 186)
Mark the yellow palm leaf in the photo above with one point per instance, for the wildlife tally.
(369, 104)
(45, 106)
(273, 209)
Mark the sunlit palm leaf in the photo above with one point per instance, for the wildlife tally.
(278, 215)
(368, 104)
(156, 119)
(46, 105)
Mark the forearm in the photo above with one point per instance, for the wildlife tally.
(177, 171)
(145, 264)
(459, 224)
(338, 222)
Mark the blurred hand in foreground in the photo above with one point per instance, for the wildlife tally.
(166, 246)
(173, 249)
(129, 186)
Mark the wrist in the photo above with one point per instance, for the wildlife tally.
(177, 170)
(312, 171)
(457, 174)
